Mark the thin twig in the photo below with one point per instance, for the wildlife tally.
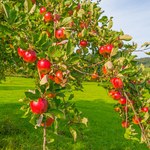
(136, 116)
(39, 74)
(44, 137)
(94, 64)
(141, 50)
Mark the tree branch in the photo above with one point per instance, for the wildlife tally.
(140, 125)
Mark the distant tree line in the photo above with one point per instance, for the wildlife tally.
(145, 61)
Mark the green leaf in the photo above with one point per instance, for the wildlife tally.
(33, 9)
(69, 48)
(54, 52)
(5, 29)
(130, 134)
(84, 32)
(51, 140)
(65, 21)
(33, 119)
(71, 97)
(114, 51)
(104, 19)
(146, 117)
(26, 7)
(146, 44)
(12, 16)
(84, 121)
(26, 113)
(148, 53)
(61, 95)
(125, 37)
(74, 59)
(110, 24)
(44, 80)
(81, 12)
(127, 71)
(32, 94)
(55, 112)
(42, 39)
(73, 133)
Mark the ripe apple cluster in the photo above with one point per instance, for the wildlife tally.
(117, 94)
(106, 49)
(27, 55)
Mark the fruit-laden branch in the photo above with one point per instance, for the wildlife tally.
(85, 73)
(144, 135)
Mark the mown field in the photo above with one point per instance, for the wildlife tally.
(104, 130)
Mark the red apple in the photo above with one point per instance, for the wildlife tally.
(42, 10)
(111, 92)
(144, 109)
(59, 74)
(102, 50)
(78, 7)
(117, 83)
(51, 77)
(83, 43)
(125, 124)
(57, 80)
(21, 52)
(49, 122)
(33, 1)
(117, 109)
(71, 24)
(51, 95)
(30, 56)
(136, 120)
(39, 107)
(104, 70)
(115, 94)
(109, 48)
(122, 100)
(83, 25)
(60, 33)
(44, 65)
(125, 108)
(94, 76)
(48, 17)
(56, 17)
(70, 12)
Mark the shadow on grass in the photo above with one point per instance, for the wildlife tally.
(104, 131)
(14, 87)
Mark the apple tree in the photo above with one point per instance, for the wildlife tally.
(63, 43)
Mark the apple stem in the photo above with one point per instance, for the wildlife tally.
(39, 74)
(140, 125)
(44, 137)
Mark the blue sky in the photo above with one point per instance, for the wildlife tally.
(132, 16)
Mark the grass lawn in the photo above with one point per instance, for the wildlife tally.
(104, 130)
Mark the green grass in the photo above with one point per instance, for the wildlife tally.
(104, 131)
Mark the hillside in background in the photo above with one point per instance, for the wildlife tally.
(145, 61)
